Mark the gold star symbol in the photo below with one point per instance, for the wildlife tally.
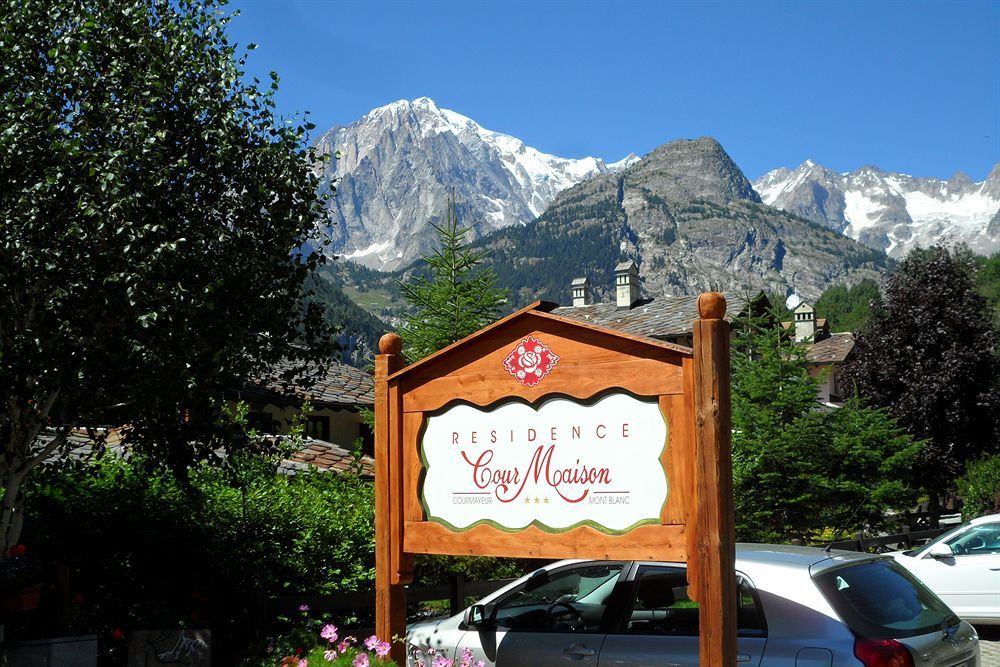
(537, 500)
(527, 500)
(546, 500)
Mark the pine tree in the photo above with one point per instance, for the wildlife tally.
(457, 299)
(800, 469)
(929, 355)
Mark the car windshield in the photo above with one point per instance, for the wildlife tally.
(881, 600)
(940, 539)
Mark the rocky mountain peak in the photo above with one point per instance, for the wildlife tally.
(688, 169)
(889, 211)
(991, 186)
(399, 163)
(960, 181)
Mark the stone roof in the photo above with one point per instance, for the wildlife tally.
(327, 457)
(324, 456)
(340, 386)
(662, 317)
(832, 350)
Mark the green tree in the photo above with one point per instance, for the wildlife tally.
(929, 355)
(849, 308)
(980, 487)
(799, 469)
(155, 220)
(988, 282)
(458, 297)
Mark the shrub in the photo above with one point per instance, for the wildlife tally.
(980, 487)
(146, 550)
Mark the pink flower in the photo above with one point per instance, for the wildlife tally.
(329, 632)
(361, 660)
(441, 661)
(303, 663)
(303, 607)
(383, 649)
(343, 646)
(479, 663)
(372, 642)
(466, 657)
(330, 656)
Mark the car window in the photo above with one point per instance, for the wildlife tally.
(938, 540)
(978, 540)
(573, 599)
(881, 600)
(660, 605)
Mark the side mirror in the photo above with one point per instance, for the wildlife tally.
(475, 616)
(940, 551)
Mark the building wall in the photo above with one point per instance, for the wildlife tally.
(345, 426)
(826, 392)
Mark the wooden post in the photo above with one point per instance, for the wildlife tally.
(390, 596)
(714, 527)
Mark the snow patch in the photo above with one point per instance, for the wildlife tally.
(373, 249)
(860, 212)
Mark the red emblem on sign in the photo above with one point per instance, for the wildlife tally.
(530, 361)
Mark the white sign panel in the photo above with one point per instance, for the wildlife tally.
(558, 465)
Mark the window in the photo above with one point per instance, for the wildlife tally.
(318, 428)
(978, 540)
(261, 421)
(881, 600)
(660, 606)
(569, 600)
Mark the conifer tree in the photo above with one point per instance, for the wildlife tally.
(800, 469)
(458, 298)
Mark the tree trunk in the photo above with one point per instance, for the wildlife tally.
(19, 459)
(934, 509)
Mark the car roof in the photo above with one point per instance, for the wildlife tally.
(785, 555)
(782, 555)
(989, 518)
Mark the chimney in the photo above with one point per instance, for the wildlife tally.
(805, 322)
(627, 284)
(581, 292)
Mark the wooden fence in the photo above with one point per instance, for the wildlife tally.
(905, 540)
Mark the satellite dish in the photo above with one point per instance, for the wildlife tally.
(793, 301)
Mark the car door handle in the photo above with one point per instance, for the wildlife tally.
(742, 657)
(579, 651)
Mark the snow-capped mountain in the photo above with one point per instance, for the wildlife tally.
(399, 163)
(890, 211)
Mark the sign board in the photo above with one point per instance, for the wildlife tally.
(556, 465)
(546, 437)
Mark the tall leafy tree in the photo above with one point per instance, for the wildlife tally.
(929, 355)
(800, 469)
(154, 214)
(457, 298)
(849, 308)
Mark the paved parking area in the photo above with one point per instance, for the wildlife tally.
(989, 644)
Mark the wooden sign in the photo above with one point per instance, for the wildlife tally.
(545, 437)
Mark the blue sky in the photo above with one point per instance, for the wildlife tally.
(907, 86)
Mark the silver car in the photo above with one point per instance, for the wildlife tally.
(798, 607)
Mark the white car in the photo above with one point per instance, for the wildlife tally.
(797, 607)
(963, 568)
